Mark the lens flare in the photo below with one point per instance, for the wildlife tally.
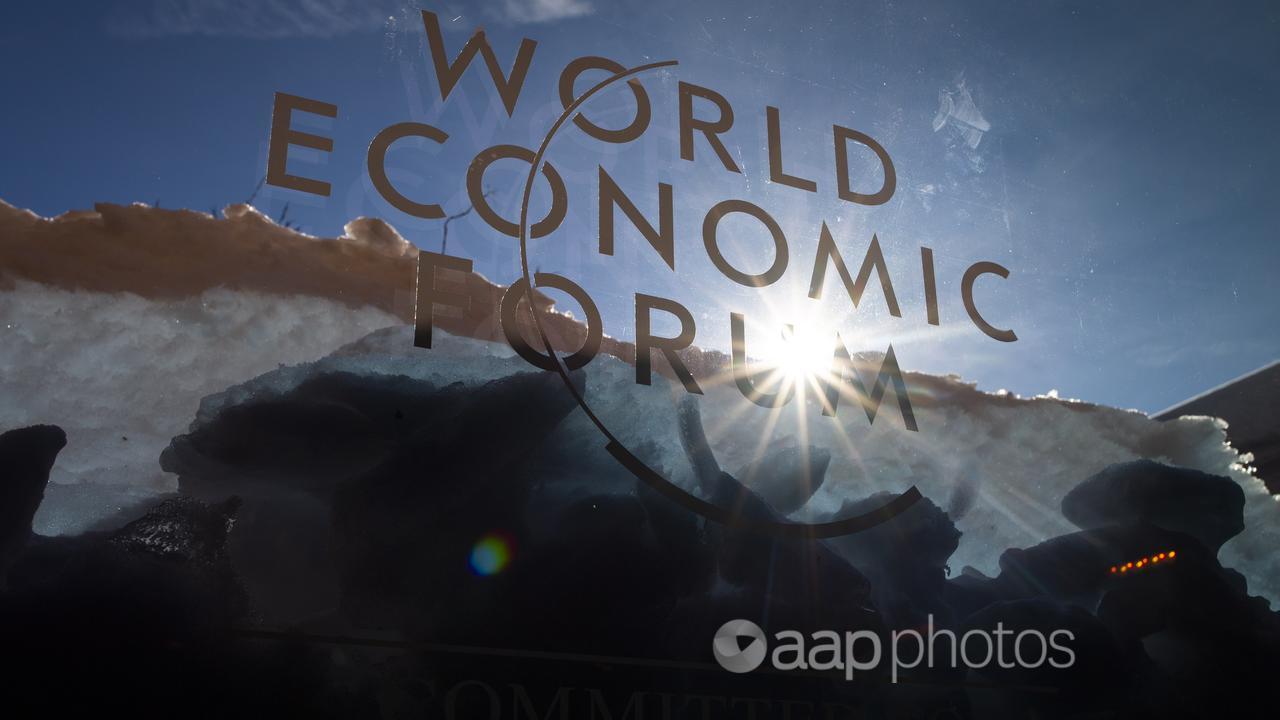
(490, 555)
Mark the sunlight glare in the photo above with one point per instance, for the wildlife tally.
(801, 353)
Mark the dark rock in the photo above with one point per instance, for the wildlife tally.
(140, 622)
(404, 530)
(905, 558)
(1055, 660)
(802, 571)
(177, 549)
(787, 476)
(1207, 507)
(282, 548)
(26, 457)
(1205, 642)
(180, 528)
(605, 582)
(1191, 590)
(91, 629)
(969, 591)
(329, 428)
(354, 470)
(1214, 645)
(1076, 568)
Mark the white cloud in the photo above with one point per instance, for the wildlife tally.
(537, 11)
(264, 19)
(269, 19)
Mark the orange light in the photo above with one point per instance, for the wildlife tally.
(1141, 563)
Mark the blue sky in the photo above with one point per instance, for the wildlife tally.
(1126, 178)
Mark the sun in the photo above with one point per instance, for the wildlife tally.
(800, 354)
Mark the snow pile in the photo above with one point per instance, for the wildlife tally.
(116, 323)
(123, 374)
(1000, 462)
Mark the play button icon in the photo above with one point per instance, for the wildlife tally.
(739, 646)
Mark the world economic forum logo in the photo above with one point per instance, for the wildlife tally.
(739, 646)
